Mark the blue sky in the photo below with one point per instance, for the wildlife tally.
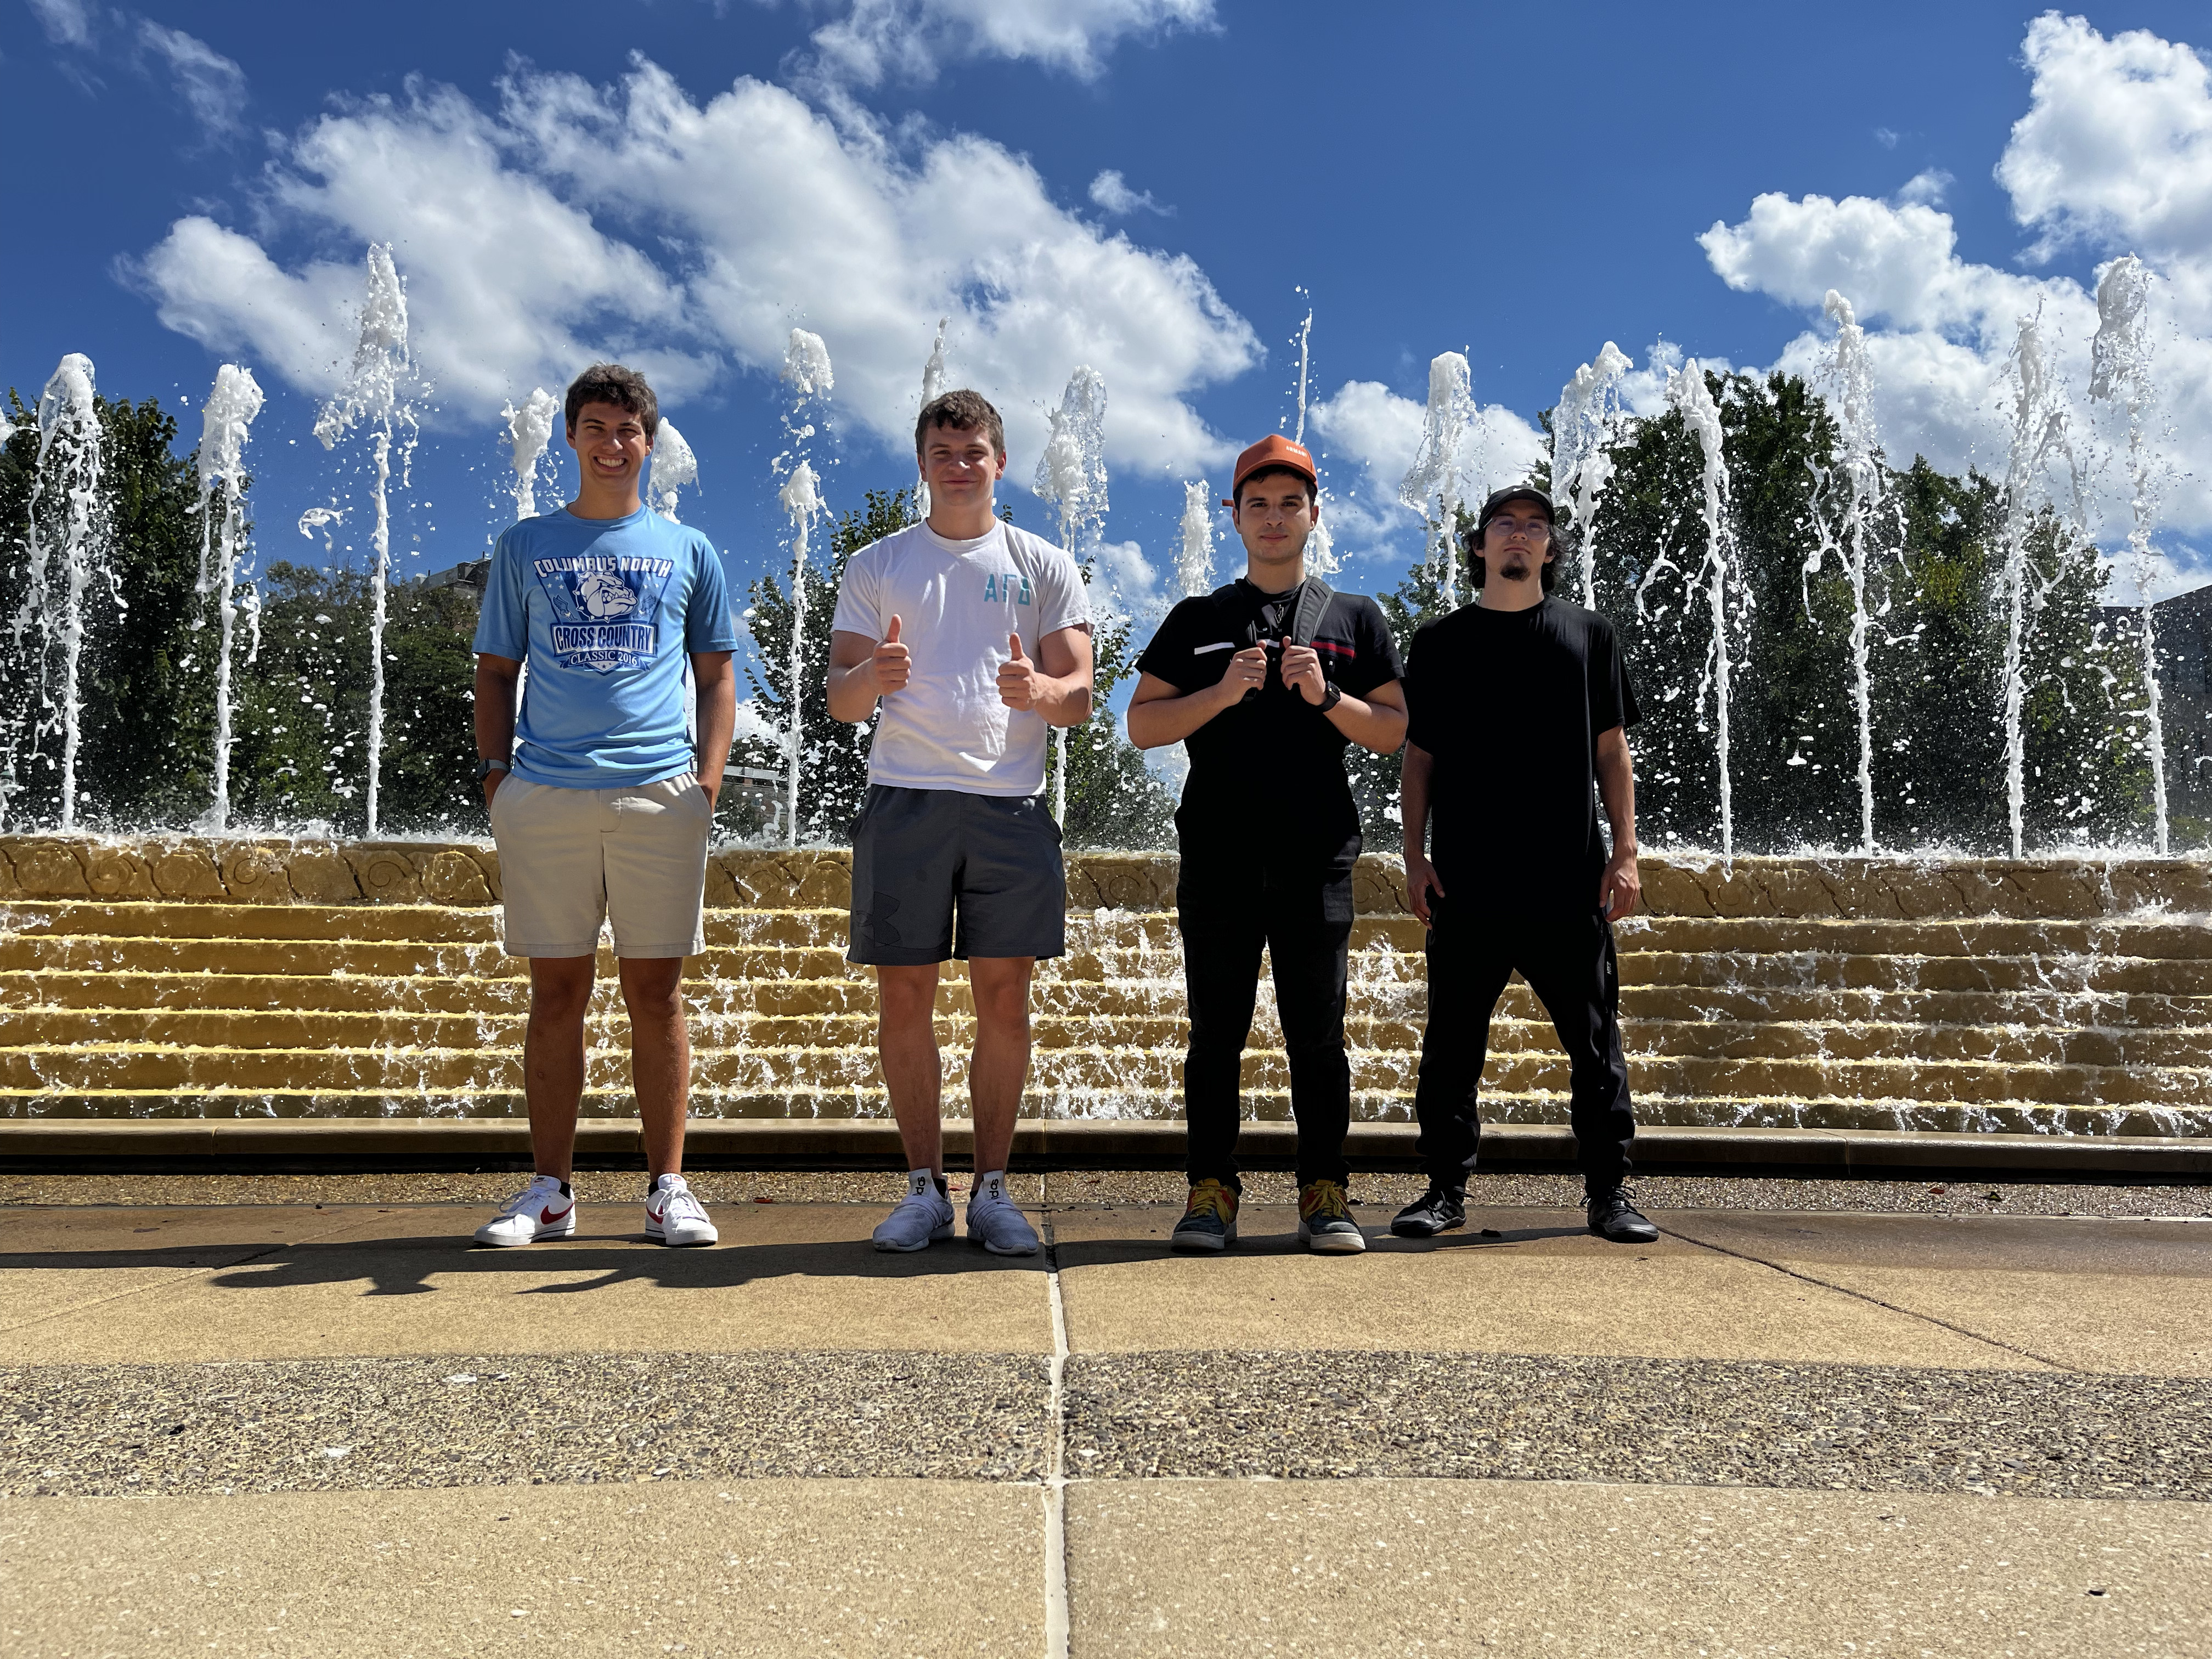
(1522, 183)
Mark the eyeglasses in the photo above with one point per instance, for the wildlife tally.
(1536, 530)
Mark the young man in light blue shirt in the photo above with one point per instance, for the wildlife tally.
(601, 796)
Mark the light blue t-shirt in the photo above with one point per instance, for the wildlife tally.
(605, 612)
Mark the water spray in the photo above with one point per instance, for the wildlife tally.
(1071, 475)
(806, 368)
(1435, 476)
(530, 431)
(1585, 428)
(375, 396)
(225, 420)
(1194, 559)
(1687, 392)
(2120, 366)
(932, 388)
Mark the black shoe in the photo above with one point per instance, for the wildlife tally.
(1612, 1216)
(1436, 1211)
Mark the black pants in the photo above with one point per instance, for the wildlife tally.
(1568, 961)
(1303, 918)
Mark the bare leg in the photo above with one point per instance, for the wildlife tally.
(659, 1055)
(553, 1058)
(906, 1040)
(1001, 1064)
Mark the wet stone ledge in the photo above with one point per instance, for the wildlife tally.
(270, 870)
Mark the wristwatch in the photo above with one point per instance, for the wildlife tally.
(486, 767)
(1334, 697)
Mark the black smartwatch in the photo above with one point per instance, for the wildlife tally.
(486, 767)
(1334, 697)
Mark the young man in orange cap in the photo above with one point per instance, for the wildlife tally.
(1265, 682)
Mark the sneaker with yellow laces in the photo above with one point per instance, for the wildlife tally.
(1209, 1220)
(1325, 1220)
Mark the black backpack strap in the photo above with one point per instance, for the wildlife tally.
(1313, 605)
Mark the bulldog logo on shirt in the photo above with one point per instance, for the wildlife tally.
(604, 609)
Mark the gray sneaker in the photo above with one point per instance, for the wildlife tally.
(994, 1223)
(923, 1215)
(1325, 1220)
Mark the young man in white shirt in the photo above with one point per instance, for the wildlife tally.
(973, 637)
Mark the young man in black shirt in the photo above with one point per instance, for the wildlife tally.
(1264, 682)
(1519, 705)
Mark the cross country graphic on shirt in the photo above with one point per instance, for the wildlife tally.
(606, 609)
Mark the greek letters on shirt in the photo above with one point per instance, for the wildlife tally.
(606, 610)
(998, 589)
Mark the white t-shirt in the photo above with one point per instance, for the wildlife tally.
(957, 602)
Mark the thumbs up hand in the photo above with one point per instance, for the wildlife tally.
(893, 662)
(1018, 679)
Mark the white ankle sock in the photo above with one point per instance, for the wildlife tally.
(920, 1183)
(990, 1184)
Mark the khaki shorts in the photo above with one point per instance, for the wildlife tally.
(636, 857)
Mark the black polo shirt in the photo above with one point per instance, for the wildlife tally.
(1267, 774)
(1511, 704)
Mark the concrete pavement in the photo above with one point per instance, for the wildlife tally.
(248, 1428)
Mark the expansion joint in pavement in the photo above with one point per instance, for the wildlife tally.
(1056, 1625)
(1971, 1334)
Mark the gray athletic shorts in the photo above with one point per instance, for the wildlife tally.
(922, 856)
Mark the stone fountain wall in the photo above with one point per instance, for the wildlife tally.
(186, 976)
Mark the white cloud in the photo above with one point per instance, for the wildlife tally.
(1371, 425)
(67, 23)
(913, 40)
(1111, 192)
(1928, 188)
(211, 85)
(1132, 583)
(2114, 154)
(579, 220)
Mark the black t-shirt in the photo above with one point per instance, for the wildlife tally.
(1511, 704)
(1267, 774)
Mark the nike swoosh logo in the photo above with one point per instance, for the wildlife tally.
(655, 1216)
(547, 1216)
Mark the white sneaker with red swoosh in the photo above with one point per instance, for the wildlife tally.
(674, 1215)
(541, 1210)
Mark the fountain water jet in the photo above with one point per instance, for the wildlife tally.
(1435, 474)
(225, 419)
(674, 467)
(2120, 373)
(69, 462)
(2040, 433)
(530, 431)
(1851, 376)
(1194, 559)
(1585, 428)
(1687, 392)
(1071, 474)
(933, 387)
(376, 395)
(806, 366)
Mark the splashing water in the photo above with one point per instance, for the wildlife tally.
(69, 465)
(378, 395)
(1306, 365)
(1071, 475)
(1687, 391)
(530, 431)
(806, 366)
(1435, 475)
(226, 419)
(1584, 427)
(932, 388)
(1194, 559)
(1850, 375)
(1321, 545)
(801, 499)
(2041, 434)
(674, 467)
(2120, 373)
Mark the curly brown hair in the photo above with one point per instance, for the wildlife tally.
(625, 388)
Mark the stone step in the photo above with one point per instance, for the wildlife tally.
(387, 1028)
(81, 953)
(433, 926)
(482, 996)
(1735, 1111)
(1073, 1067)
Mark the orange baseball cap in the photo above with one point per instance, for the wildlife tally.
(1274, 450)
